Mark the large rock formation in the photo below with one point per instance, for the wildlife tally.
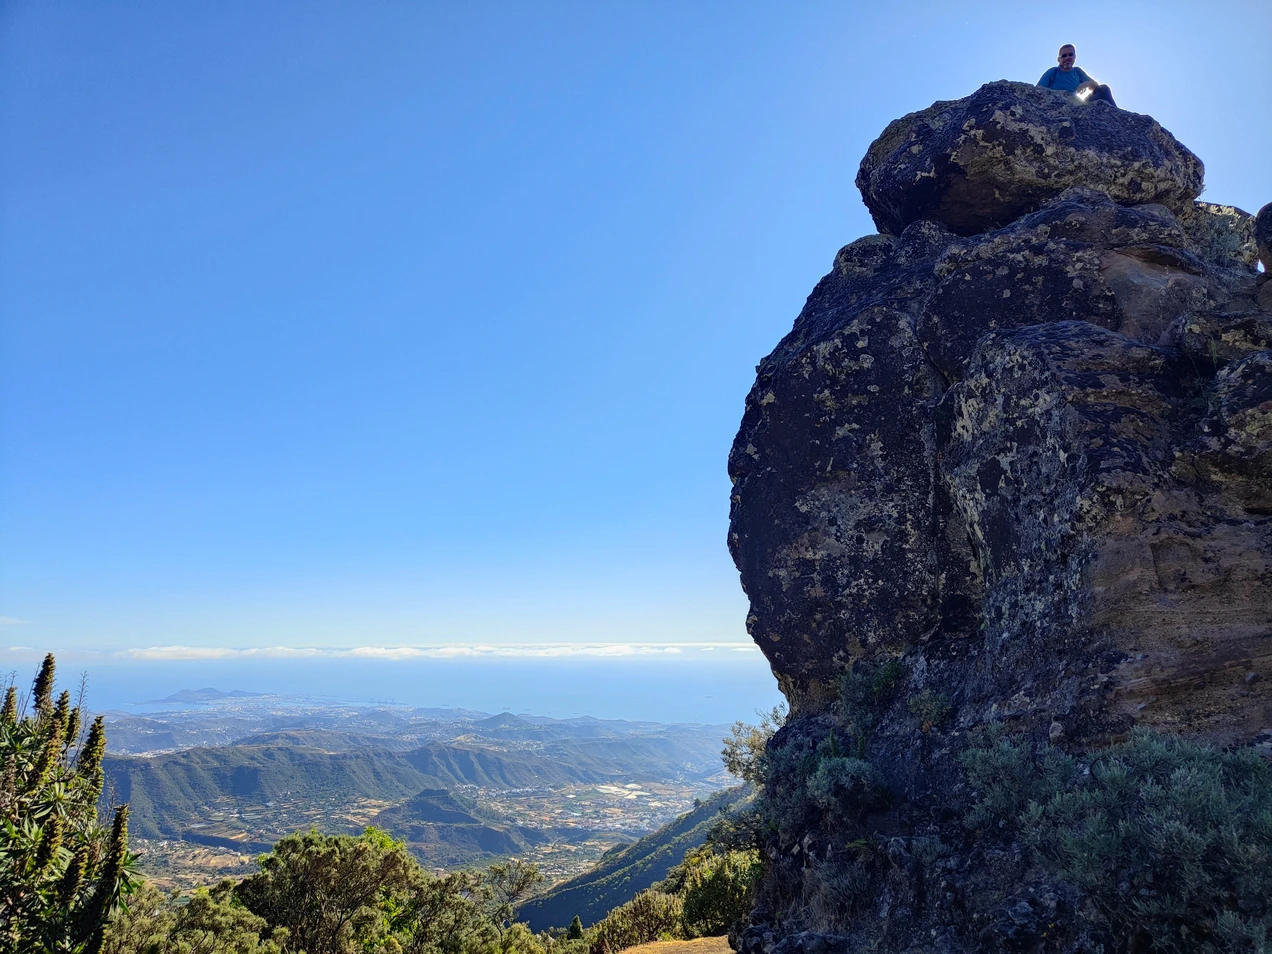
(983, 161)
(1016, 453)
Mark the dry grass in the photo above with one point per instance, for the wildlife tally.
(185, 866)
(701, 945)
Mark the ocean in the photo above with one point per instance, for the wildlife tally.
(664, 690)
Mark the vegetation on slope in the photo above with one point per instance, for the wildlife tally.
(1170, 840)
(1156, 844)
(168, 792)
(339, 894)
(445, 829)
(626, 871)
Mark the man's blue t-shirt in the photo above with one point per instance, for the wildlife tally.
(1056, 78)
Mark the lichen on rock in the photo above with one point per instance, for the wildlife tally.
(983, 161)
(1015, 453)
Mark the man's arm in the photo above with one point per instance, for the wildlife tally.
(1087, 85)
(1046, 77)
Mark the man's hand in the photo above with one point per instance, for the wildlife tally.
(1090, 86)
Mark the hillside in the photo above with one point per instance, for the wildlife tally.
(455, 765)
(236, 772)
(170, 792)
(444, 829)
(329, 740)
(625, 871)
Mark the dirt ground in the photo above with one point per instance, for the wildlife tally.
(701, 945)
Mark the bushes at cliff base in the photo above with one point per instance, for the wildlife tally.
(1170, 840)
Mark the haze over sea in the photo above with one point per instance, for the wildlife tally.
(661, 690)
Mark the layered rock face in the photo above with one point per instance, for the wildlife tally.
(1017, 446)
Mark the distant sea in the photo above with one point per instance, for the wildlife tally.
(643, 690)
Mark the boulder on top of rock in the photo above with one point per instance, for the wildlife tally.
(980, 162)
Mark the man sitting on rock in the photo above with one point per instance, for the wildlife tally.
(1068, 78)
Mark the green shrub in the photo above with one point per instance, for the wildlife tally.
(1006, 776)
(337, 894)
(741, 829)
(329, 891)
(1170, 840)
(928, 849)
(557, 941)
(718, 890)
(207, 922)
(806, 787)
(62, 872)
(846, 788)
(865, 689)
(886, 678)
(867, 683)
(932, 708)
(745, 745)
(783, 805)
(650, 916)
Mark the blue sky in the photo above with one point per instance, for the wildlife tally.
(421, 325)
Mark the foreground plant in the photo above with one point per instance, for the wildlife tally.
(62, 872)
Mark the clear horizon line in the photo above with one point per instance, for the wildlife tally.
(441, 651)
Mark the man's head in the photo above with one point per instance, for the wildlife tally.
(1067, 57)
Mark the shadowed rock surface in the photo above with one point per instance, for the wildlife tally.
(1016, 455)
(1263, 235)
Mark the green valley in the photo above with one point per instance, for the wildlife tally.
(460, 788)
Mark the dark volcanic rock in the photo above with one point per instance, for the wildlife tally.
(1263, 235)
(854, 524)
(980, 162)
(1223, 235)
(1062, 452)
(1235, 449)
(837, 430)
(1014, 459)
